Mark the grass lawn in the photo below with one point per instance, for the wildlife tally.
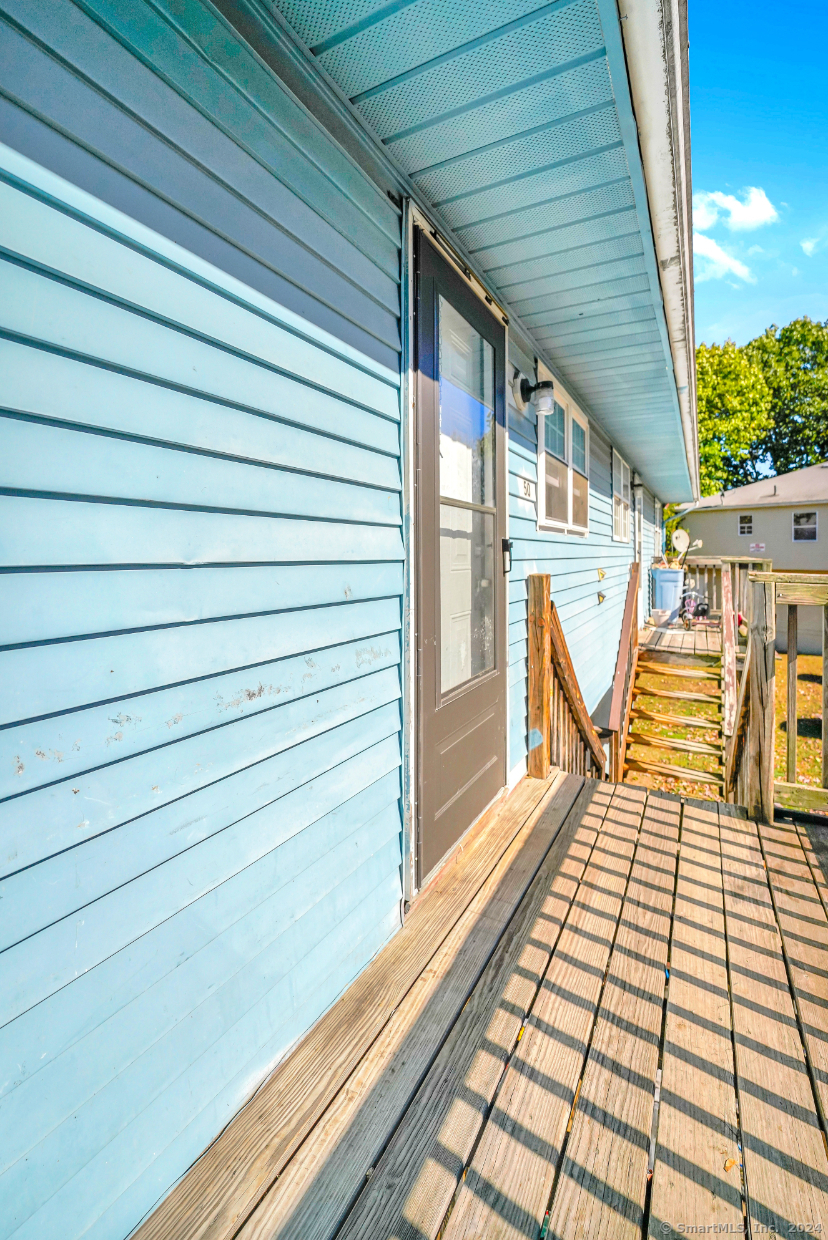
(809, 718)
(686, 710)
(809, 730)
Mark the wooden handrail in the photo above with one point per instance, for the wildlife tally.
(618, 704)
(740, 719)
(560, 728)
(570, 686)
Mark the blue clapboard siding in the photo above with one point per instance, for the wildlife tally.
(126, 104)
(201, 571)
(591, 628)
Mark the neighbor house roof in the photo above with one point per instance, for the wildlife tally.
(801, 486)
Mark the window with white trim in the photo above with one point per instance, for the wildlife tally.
(745, 524)
(563, 469)
(620, 498)
(804, 527)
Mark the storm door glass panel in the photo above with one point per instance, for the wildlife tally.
(467, 501)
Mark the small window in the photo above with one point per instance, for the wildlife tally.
(804, 527)
(620, 498)
(745, 524)
(564, 467)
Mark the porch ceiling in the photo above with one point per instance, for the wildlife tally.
(505, 115)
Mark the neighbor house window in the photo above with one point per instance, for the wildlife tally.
(745, 524)
(563, 441)
(620, 498)
(804, 527)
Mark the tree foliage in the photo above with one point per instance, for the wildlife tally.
(763, 408)
(734, 402)
(794, 362)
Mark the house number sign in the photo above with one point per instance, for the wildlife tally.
(526, 489)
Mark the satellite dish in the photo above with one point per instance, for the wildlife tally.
(681, 540)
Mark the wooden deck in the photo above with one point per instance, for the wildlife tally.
(702, 639)
(605, 982)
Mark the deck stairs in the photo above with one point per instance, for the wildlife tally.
(677, 710)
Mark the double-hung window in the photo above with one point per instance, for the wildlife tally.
(804, 527)
(745, 524)
(563, 467)
(620, 498)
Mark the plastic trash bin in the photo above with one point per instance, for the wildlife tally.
(667, 587)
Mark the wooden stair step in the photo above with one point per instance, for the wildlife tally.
(681, 671)
(675, 772)
(679, 695)
(684, 721)
(680, 658)
(674, 742)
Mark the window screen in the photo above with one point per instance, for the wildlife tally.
(555, 432)
(578, 446)
(563, 464)
(557, 490)
(805, 527)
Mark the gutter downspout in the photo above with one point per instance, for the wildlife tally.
(656, 47)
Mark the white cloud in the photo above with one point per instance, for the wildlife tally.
(809, 244)
(754, 210)
(716, 262)
(705, 213)
(755, 249)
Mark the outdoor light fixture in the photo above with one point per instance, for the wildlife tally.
(523, 391)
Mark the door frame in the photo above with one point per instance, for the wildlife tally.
(413, 218)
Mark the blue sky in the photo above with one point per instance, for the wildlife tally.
(759, 124)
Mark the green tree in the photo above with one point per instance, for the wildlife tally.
(794, 362)
(734, 403)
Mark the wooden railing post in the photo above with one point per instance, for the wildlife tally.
(759, 756)
(793, 642)
(540, 673)
(728, 654)
(825, 695)
(624, 678)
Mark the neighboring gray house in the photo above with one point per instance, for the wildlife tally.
(784, 519)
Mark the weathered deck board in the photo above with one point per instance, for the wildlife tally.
(602, 1185)
(435, 1098)
(804, 929)
(786, 1167)
(696, 1177)
(817, 872)
(415, 1180)
(507, 1187)
(313, 1194)
(233, 1174)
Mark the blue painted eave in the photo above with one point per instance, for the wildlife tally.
(514, 121)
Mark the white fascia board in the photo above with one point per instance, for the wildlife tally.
(656, 46)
